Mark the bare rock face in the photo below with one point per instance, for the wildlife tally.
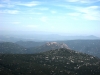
(51, 43)
(49, 46)
(56, 45)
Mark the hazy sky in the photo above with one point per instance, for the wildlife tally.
(77, 17)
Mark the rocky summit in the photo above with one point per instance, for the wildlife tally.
(48, 46)
(56, 45)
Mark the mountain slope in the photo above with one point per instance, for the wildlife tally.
(86, 46)
(48, 46)
(8, 47)
(28, 44)
(53, 62)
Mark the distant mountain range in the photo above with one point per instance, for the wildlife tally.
(15, 38)
(91, 47)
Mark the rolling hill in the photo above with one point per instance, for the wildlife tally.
(11, 48)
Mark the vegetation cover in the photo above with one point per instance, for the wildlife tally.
(54, 62)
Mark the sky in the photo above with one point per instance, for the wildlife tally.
(66, 17)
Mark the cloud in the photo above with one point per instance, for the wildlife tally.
(90, 13)
(1, 5)
(83, 1)
(36, 13)
(53, 12)
(40, 8)
(44, 8)
(72, 0)
(5, 1)
(9, 3)
(30, 4)
(87, 9)
(16, 22)
(91, 17)
(6, 5)
(86, 12)
(31, 26)
(44, 19)
(74, 14)
(9, 11)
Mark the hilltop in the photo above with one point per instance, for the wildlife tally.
(48, 46)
